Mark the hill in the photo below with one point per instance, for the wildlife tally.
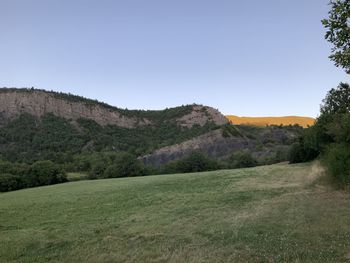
(45, 125)
(38, 103)
(266, 214)
(264, 121)
(37, 124)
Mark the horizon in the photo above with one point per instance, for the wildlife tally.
(246, 59)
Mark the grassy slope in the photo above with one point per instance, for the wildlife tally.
(263, 121)
(267, 214)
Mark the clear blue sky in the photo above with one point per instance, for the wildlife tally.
(250, 58)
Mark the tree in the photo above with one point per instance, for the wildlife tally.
(242, 160)
(45, 173)
(124, 165)
(195, 162)
(338, 32)
(337, 100)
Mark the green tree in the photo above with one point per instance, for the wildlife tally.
(337, 100)
(45, 173)
(242, 159)
(195, 162)
(123, 165)
(338, 32)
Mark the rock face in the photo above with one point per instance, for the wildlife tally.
(39, 103)
(14, 102)
(200, 116)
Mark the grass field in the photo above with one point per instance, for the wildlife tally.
(278, 213)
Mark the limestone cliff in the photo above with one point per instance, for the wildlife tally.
(14, 102)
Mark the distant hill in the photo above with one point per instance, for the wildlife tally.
(264, 121)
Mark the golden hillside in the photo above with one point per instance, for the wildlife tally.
(263, 121)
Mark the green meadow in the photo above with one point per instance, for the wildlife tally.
(277, 213)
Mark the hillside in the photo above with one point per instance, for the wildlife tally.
(264, 121)
(41, 125)
(264, 144)
(266, 214)
(36, 124)
(38, 103)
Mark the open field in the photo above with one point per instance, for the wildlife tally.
(278, 213)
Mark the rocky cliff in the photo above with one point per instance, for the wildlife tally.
(14, 102)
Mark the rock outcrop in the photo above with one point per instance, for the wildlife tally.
(39, 103)
(201, 115)
(14, 102)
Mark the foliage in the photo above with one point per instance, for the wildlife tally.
(337, 100)
(112, 165)
(125, 165)
(195, 162)
(337, 160)
(10, 182)
(307, 148)
(45, 173)
(329, 137)
(242, 159)
(28, 139)
(338, 32)
(336, 155)
(17, 176)
(229, 130)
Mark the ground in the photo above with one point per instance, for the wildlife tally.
(278, 213)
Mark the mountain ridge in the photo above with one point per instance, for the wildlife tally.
(14, 102)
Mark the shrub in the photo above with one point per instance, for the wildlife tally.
(308, 147)
(337, 161)
(127, 165)
(10, 182)
(112, 171)
(117, 165)
(195, 162)
(242, 160)
(97, 170)
(45, 173)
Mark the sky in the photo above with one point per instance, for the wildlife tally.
(247, 58)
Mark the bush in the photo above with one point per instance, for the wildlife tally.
(297, 153)
(308, 147)
(45, 173)
(112, 171)
(97, 170)
(10, 182)
(117, 165)
(127, 165)
(337, 161)
(195, 162)
(242, 160)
